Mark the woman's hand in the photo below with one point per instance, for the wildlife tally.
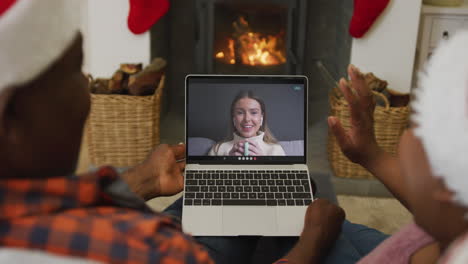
(238, 149)
(358, 143)
(254, 149)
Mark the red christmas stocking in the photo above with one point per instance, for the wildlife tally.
(5, 5)
(144, 13)
(364, 15)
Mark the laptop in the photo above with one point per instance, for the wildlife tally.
(246, 172)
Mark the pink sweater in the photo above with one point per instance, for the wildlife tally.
(399, 247)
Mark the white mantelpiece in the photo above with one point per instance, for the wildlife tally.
(107, 40)
(388, 49)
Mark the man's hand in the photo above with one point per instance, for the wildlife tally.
(323, 222)
(358, 143)
(322, 226)
(160, 174)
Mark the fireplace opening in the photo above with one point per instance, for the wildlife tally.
(250, 47)
(250, 37)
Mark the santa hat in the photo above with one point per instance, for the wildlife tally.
(34, 34)
(457, 252)
(441, 112)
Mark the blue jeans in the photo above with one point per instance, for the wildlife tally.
(354, 242)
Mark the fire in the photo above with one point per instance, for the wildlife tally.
(251, 48)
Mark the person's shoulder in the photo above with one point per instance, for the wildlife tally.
(225, 144)
(220, 148)
(212, 151)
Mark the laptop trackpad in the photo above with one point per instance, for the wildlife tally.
(249, 220)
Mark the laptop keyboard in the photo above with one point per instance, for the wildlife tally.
(237, 187)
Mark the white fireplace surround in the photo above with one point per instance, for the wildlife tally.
(387, 49)
(107, 39)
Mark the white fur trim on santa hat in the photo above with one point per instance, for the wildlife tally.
(33, 35)
(441, 111)
(457, 252)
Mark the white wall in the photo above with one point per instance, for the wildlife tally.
(107, 40)
(388, 49)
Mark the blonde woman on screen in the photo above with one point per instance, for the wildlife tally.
(249, 134)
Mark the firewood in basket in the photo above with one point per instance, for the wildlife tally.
(131, 68)
(145, 82)
(100, 86)
(116, 82)
(156, 65)
(398, 99)
(375, 83)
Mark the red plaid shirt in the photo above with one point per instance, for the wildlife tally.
(74, 216)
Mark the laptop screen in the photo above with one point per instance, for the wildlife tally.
(246, 119)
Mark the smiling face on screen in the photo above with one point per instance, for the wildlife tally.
(247, 117)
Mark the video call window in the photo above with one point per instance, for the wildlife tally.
(245, 120)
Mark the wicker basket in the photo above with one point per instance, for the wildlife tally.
(123, 129)
(390, 122)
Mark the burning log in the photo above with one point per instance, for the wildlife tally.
(251, 48)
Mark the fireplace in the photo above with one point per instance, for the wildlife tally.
(195, 31)
(250, 37)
